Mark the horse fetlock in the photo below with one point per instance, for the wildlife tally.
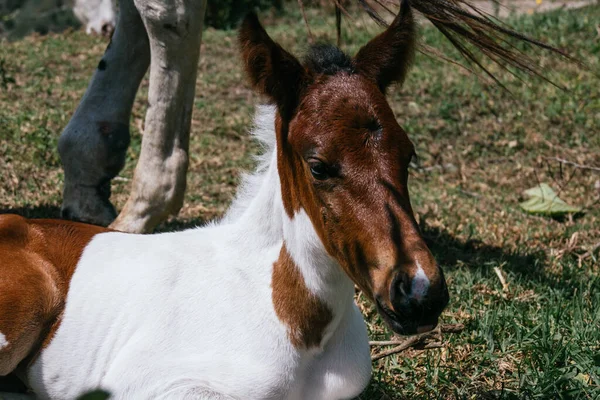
(91, 158)
(177, 181)
(158, 192)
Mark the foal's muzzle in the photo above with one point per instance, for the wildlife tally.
(417, 303)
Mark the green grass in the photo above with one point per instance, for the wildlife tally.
(479, 147)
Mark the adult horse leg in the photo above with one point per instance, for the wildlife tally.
(92, 147)
(175, 32)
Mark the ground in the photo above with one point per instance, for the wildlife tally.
(533, 334)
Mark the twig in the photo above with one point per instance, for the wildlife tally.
(500, 276)
(394, 350)
(574, 164)
(386, 342)
(399, 349)
(433, 346)
(414, 341)
(452, 328)
(446, 328)
(590, 252)
(311, 39)
(469, 194)
(338, 23)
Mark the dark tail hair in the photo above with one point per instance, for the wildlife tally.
(470, 29)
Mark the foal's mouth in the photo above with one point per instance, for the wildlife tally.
(406, 327)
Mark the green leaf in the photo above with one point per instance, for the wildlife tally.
(543, 200)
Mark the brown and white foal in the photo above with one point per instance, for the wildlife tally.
(259, 305)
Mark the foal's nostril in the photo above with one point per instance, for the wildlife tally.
(400, 287)
(410, 289)
(416, 297)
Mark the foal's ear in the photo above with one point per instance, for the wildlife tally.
(387, 57)
(272, 70)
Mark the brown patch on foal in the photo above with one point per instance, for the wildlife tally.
(37, 260)
(305, 315)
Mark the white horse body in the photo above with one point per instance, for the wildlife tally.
(197, 306)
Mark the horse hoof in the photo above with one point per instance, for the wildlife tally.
(87, 204)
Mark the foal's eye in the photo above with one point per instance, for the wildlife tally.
(319, 170)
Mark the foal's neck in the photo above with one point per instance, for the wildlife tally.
(304, 269)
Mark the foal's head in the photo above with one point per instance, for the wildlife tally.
(343, 159)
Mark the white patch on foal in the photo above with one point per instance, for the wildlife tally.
(420, 283)
(3, 342)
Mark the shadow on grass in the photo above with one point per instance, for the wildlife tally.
(453, 253)
(11, 384)
(43, 211)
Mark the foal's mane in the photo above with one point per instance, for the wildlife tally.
(263, 132)
(328, 59)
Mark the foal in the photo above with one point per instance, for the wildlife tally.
(259, 305)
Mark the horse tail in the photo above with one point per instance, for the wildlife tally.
(471, 30)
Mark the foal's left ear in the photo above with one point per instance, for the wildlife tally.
(387, 58)
(272, 70)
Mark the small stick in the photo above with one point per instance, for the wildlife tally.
(500, 276)
(574, 164)
(414, 340)
(386, 342)
(446, 328)
(590, 252)
(394, 350)
(402, 347)
(433, 346)
(311, 39)
(452, 328)
(338, 23)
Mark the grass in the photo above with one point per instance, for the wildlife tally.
(479, 146)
